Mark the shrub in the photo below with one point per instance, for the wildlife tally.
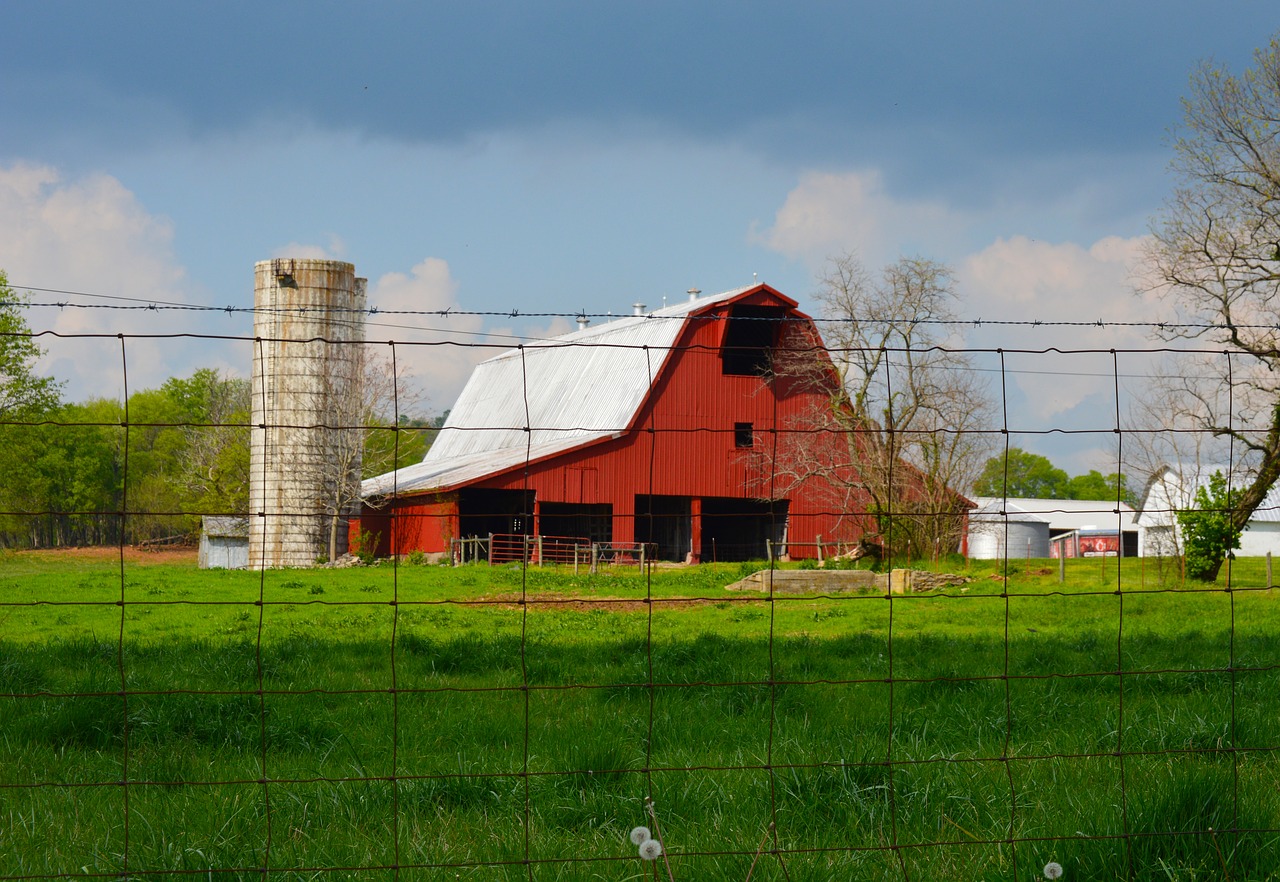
(1207, 535)
(364, 545)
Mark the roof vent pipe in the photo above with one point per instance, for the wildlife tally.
(693, 294)
(637, 308)
(583, 321)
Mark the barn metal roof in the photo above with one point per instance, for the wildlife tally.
(233, 526)
(548, 397)
(1168, 491)
(1065, 514)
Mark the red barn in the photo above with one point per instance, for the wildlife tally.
(657, 428)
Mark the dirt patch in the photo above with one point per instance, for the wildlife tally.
(134, 556)
(546, 600)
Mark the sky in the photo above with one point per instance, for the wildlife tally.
(565, 156)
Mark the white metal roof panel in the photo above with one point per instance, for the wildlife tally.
(1167, 492)
(572, 390)
(999, 510)
(1070, 514)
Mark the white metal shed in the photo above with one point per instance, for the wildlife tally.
(224, 543)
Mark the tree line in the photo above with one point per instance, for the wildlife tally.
(106, 471)
(1021, 475)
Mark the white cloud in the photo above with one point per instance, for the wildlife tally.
(335, 250)
(436, 351)
(828, 213)
(1014, 278)
(1001, 278)
(1062, 281)
(92, 235)
(89, 233)
(1021, 279)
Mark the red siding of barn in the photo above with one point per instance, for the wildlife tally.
(682, 443)
(421, 523)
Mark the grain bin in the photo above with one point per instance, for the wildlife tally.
(305, 449)
(999, 525)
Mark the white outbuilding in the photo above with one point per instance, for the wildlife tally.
(1173, 488)
(1041, 528)
(224, 543)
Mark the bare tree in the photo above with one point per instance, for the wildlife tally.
(1215, 254)
(376, 439)
(902, 430)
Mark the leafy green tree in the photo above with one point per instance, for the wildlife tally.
(188, 452)
(69, 483)
(1096, 485)
(1209, 535)
(215, 470)
(1027, 476)
(21, 390)
(185, 453)
(26, 400)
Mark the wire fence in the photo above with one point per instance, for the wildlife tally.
(1024, 717)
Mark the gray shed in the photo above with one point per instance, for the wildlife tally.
(224, 543)
(999, 524)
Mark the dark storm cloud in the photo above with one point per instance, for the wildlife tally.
(802, 81)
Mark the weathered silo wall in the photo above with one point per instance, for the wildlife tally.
(304, 457)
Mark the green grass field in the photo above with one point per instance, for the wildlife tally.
(490, 723)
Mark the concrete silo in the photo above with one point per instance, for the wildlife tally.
(308, 365)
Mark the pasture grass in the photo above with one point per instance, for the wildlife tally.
(493, 723)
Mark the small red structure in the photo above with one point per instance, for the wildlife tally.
(657, 428)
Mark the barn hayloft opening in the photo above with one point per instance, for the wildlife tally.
(750, 335)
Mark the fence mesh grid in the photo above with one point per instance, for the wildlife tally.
(520, 722)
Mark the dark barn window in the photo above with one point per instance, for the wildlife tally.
(743, 435)
(749, 338)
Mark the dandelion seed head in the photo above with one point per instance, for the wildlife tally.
(640, 835)
(1053, 870)
(650, 849)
